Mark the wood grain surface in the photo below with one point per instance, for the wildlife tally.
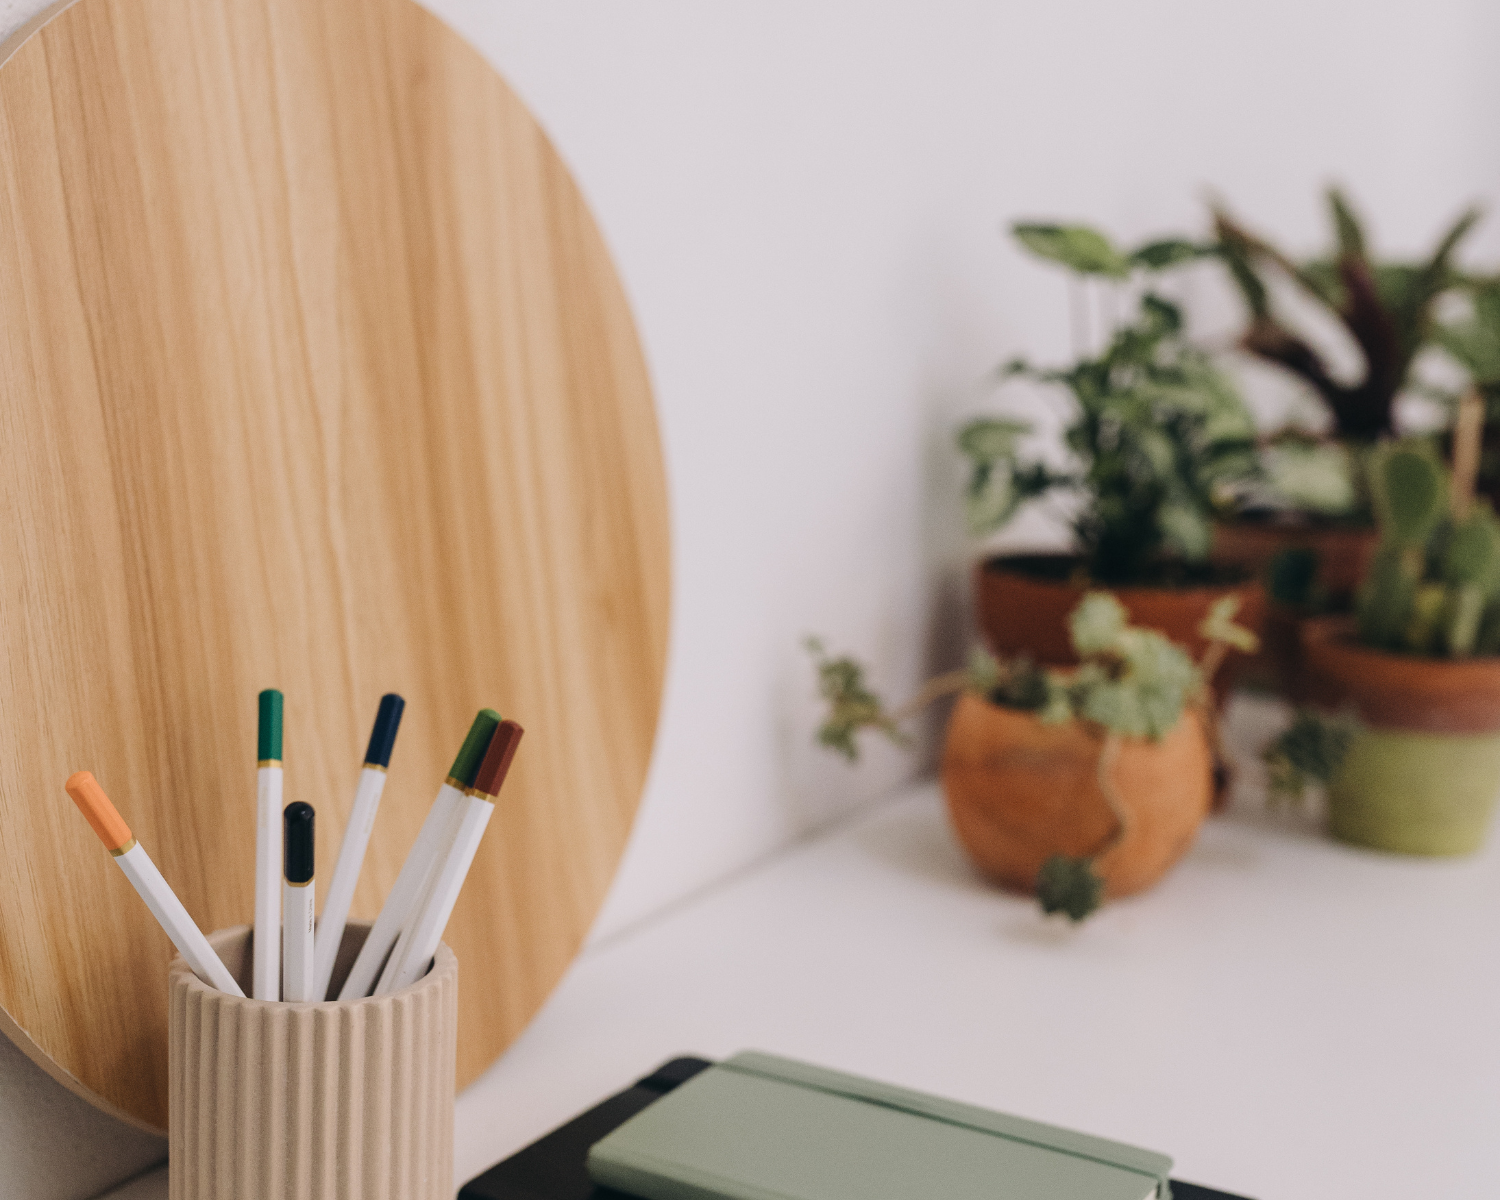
(314, 374)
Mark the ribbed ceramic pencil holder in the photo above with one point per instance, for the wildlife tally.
(344, 1100)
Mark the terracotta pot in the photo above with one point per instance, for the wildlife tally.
(1344, 553)
(1423, 773)
(1020, 791)
(1402, 691)
(1021, 611)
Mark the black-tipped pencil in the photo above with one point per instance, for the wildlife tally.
(297, 904)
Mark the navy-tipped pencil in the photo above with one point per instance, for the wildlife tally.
(356, 838)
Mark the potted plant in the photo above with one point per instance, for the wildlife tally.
(1311, 498)
(1070, 784)
(1418, 665)
(1158, 436)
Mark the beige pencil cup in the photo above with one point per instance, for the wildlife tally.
(346, 1100)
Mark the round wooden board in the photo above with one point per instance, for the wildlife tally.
(314, 374)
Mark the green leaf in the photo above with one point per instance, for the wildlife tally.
(1220, 626)
(1057, 706)
(1310, 751)
(1096, 624)
(1030, 688)
(1161, 317)
(1292, 577)
(988, 438)
(1347, 227)
(1187, 530)
(1437, 265)
(852, 706)
(1234, 249)
(1079, 247)
(994, 490)
(1168, 252)
(1472, 555)
(1461, 619)
(1424, 623)
(984, 671)
(1411, 491)
(1069, 885)
(1475, 340)
(1115, 705)
(1315, 478)
(1321, 277)
(992, 498)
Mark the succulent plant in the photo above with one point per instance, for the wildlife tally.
(1308, 753)
(1158, 431)
(1433, 586)
(1387, 308)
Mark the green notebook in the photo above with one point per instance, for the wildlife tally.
(757, 1127)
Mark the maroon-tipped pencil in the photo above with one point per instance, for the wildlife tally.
(419, 942)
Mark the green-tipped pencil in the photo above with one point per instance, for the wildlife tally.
(265, 981)
(411, 883)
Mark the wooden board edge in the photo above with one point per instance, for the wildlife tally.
(22, 1041)
(16, 40)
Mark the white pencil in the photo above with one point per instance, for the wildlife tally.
(411, 883)
(356, 839)
(413, 953)
(147, 880)
(266, 972)
(297, 905)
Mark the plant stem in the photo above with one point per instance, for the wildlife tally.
(934, 689)
(1468, 429)
(1078, 311)
(1208, 667)
(1109, 753)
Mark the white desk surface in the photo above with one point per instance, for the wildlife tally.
(1289, 1018)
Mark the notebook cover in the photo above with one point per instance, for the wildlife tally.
(758, 1127)
(552, 1167)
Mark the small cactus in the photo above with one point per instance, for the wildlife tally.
(1434, 584)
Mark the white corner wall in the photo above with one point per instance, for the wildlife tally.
(805, 200)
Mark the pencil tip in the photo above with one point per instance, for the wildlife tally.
(471, 754)
(97, 809)
(268, 741)
(497, 758)
(383, 734)
(298, 820)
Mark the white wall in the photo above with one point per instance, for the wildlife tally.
(805, 201)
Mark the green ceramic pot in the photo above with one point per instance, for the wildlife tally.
(1416, 793)
(1423, 774)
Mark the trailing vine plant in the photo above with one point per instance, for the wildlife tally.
(1131, 683)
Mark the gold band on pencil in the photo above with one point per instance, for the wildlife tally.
(125, 849)
(369, 766)
(269, 762)
(289, 883)
(453, 782)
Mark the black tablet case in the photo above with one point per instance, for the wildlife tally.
(552, 1168)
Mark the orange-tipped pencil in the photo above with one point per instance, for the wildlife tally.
(148, 881)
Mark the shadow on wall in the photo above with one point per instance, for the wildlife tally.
(57, 1146)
